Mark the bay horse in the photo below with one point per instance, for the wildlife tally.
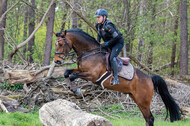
(91, 65)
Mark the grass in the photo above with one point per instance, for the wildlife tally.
(20, 119)
(127, 118)
(141, 122)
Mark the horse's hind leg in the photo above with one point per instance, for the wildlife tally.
(144, 107)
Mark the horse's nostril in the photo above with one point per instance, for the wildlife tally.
(58, 62)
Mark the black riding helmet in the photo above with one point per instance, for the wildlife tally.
(101, 12)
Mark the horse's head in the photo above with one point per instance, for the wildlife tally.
(63, 47)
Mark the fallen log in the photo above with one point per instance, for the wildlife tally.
(25, 76)
(68, 114)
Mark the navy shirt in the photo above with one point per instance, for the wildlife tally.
(108, 32)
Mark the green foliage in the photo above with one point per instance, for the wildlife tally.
(20, 119)
(7, 86)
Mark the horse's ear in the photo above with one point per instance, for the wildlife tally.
(63, 34)
(55, 33)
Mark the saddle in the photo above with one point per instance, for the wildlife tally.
(120, 61)
(125, 70)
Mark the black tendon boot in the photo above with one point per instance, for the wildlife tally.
(115, 72)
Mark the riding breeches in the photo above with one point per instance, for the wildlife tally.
(116, 49)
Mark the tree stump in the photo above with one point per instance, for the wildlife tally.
(65, 113)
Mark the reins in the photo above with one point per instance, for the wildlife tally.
(85, 54)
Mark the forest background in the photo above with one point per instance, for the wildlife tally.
(156, 32)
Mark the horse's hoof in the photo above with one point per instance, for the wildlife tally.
(78, 92)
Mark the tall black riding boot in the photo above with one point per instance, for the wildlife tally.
(115, 72)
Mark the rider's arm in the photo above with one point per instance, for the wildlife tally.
(115, 35)
(98, 35)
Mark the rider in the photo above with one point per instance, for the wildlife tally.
(112, 39)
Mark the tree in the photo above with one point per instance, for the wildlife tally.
(25, 28)
(141, 39)
(49, 33)
(3, 8)
(150, 48)
(31, 29)
(183, 38)
(173, 55)
(74, 15)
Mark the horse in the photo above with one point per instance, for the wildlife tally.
(91, 65)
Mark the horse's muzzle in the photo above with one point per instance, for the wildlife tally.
(58, 62)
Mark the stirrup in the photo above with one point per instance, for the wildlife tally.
(114, 81)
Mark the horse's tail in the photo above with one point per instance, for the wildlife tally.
(171, 106)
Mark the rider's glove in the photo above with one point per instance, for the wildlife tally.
(106, 44)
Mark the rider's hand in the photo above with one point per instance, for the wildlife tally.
(106, 44)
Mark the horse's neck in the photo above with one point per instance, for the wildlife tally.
(81, 45)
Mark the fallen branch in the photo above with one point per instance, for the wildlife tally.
(51, 69)
(140, 64)
(48, 67)
(164, 66)
(3, 108)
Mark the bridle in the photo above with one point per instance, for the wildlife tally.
(65, 46)
(85, 54)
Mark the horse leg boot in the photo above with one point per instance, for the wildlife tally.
(115, 72)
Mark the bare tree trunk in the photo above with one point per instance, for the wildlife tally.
(66, 8)
(183, 38)
(127, 6)
(141, 39)
(150, 56)
(25, 28)
(49, 33)
(31, 29)
(74, 15)
(174, 42)
(3, 8)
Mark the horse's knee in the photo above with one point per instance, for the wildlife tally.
(67, 73)
(73, 76)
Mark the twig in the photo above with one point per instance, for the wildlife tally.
(3, 107)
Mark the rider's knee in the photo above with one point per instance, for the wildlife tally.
(113, 59)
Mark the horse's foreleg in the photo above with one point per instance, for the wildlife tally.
(70, 84)
(70, 71)
(84, 75)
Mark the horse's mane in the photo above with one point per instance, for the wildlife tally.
(82, 33)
